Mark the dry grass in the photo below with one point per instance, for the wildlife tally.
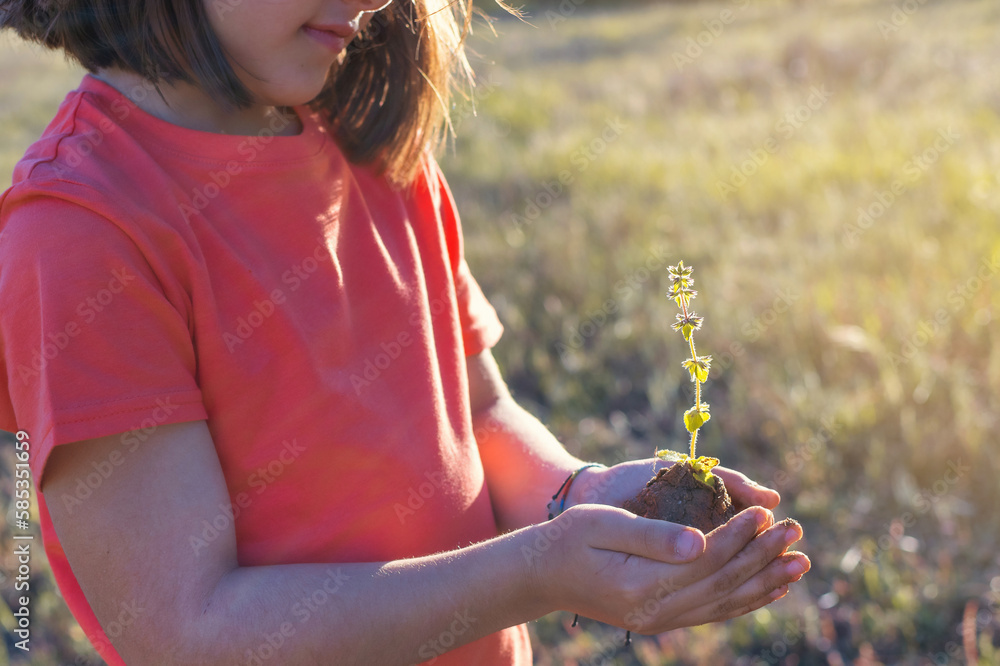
(835, 383)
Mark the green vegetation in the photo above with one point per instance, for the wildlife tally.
(688, 321)
(833, 169)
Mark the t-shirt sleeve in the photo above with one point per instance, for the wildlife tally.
(481, 328)
(89, 344)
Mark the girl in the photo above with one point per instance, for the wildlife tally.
(255, 369)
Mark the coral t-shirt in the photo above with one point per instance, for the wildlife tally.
(318, 320)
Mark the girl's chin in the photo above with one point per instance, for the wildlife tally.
(297, 97)
(292, 92)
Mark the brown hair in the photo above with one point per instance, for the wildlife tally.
(387, 101)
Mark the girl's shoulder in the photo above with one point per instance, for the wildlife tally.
(153, 179)
(82, 155)
(82, 187)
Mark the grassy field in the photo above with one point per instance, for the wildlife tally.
(832, 171)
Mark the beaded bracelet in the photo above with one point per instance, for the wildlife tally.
(564, 490)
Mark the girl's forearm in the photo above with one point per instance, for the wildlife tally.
(524, 462)
(399, 612)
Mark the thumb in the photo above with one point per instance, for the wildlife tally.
(657, 540)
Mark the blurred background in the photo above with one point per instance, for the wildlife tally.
(832, 171)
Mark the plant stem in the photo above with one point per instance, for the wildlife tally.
(697, 384)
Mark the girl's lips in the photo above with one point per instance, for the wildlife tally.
(327, 38)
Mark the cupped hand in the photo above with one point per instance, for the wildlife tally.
(614, 485)
(651, 576)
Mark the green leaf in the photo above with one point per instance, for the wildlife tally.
(695, 418)
(680, 272)
(701, 372)
(698, 368)
(671, 456)
(687, 324)
(702, 468)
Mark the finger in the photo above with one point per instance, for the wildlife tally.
(768, 585)
(624, 532)
(745, 491)
(723, 543)
(747, 563)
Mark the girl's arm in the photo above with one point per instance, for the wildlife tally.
(129, 544)
(525, 463)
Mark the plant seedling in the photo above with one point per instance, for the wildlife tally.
(687, 492)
